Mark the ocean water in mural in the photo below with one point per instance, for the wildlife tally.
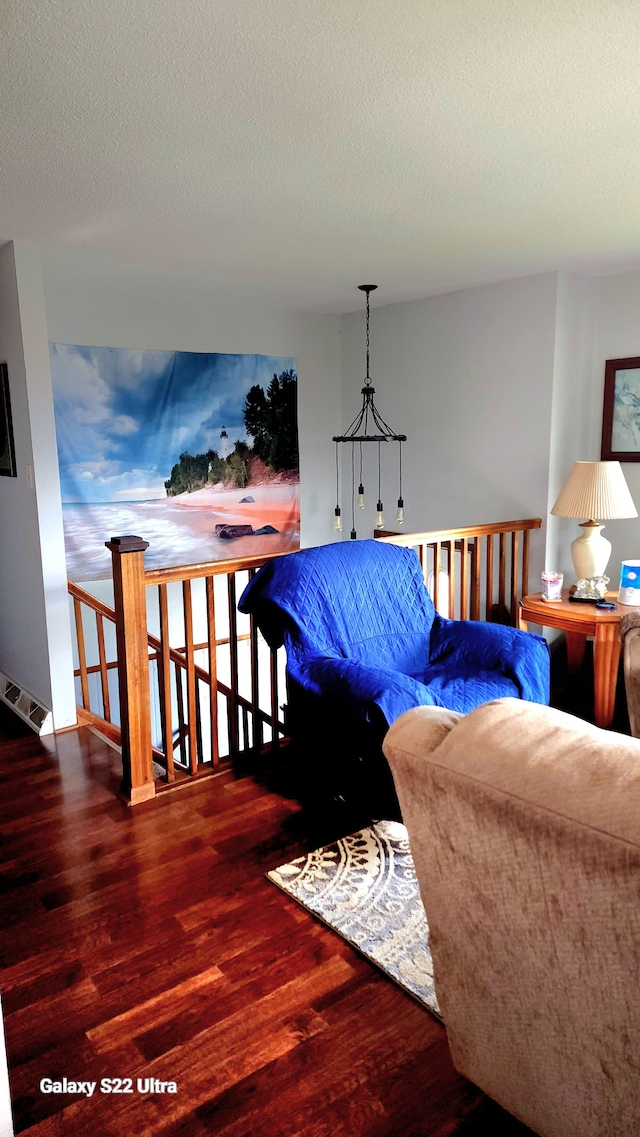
(171, 445)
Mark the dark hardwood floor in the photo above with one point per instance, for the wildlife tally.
(147, 943)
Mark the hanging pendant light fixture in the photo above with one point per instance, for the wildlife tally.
(367, 426)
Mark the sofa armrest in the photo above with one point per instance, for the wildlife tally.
(420, 731)
(630, 636)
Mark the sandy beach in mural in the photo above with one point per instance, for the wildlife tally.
(180, 530)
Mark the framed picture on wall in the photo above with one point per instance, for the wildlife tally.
(621, 411)
(7, 450)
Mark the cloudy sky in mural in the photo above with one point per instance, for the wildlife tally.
(124, 417)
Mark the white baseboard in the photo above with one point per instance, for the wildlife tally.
(26, 706)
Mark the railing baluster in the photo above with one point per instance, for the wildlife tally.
(502, 574)
(164, 662)
(514, 576)
(233, 648)
(463, 579)
(82, 655)
(436, 574)
(476, 553)
(255, 681)
(191, 675)
(104, 673)
(181, 722)
(275, 733)
(488, 600)
(525, 564)
(199, 750)
(451, 565)
(213, 671)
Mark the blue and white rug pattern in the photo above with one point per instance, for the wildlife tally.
(364, 887)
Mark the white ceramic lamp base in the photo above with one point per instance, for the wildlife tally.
(590, 552)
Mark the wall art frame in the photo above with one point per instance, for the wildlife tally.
(621, 411)
(7, 446)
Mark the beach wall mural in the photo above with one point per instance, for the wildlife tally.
(195, 452)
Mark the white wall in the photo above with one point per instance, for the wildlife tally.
(469, 378)
(35, 643)
(572, 423)
(187, 320)
(617, 337)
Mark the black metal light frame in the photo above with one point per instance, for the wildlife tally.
(368, 419)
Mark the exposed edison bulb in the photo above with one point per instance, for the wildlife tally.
(337, 521)
(379, 516)
(361, 496)
(400, 512)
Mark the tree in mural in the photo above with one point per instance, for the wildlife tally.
(270, 418)
(189, 473)
(193, 471)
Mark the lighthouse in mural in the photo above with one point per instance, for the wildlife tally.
(224, 442)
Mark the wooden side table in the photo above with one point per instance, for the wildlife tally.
(578, 621)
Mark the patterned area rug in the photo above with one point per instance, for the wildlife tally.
(364, 887)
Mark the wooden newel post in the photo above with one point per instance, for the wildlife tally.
(127, 554)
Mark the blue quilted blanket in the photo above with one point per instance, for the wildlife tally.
(360, 627)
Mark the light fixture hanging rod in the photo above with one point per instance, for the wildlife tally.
(367, 288)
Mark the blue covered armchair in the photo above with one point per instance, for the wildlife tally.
(364, 643)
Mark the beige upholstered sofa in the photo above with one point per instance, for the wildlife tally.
(524, 824)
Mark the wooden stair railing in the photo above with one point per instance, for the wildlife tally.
(161, 684)
(484, 568)
(102, 717)
(189, 704)
(246, 715)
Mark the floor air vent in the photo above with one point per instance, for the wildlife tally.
(39, 718)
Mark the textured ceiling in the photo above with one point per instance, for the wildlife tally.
(285, 150)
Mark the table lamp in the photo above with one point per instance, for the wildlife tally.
(596, 490)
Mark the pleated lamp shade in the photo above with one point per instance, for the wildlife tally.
(596, 490)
